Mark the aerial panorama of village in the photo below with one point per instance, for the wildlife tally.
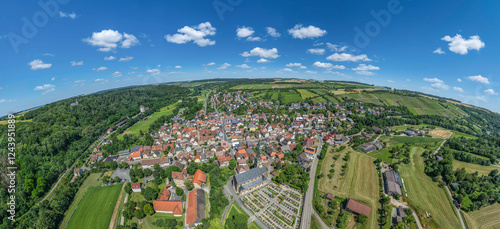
(281, 154)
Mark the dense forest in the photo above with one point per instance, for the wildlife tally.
(59, 134)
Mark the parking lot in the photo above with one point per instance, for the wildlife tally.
(278, 206)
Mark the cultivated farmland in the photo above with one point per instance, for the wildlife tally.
(360, 182)
(96, 208)
(416, 104)
(306, 93)
(487, 217)
(425, 195)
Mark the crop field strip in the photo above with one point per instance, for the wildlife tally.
(486, 217)
(360, 182)
(96, 208)
(425, 195)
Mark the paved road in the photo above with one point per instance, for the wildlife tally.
(307, 211)
(206, 101)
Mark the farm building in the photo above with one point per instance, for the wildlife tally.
(392, 182)
(357, 207)
(195, 211)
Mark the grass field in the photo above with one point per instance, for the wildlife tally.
(360, 182)
(472, 168)
(254, 225)
(288, 97)
(91, 181)
(425, 195)
(144, 125)
(234, 209)
(152, 218)
(96, 208)
(306, 93)
(487, 217)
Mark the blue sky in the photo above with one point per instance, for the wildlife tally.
(446, 48)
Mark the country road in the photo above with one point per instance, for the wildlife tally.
(55, 186)
(437, 150)
(456, 209)
(307, 211)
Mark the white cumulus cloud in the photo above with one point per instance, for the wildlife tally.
(336, 48)
(243, 32)
(459, 89)
(153, 71)
(126, 59)
(348, 57)
(272, 32)
(196, 34)
(311, 32)
(224, 66)
(100, 69)
(364, 67)
(461, 46)
(108, 40)
(479, 79)
(263, 61)
(242, 66)
(46, 88)
(262, 52)
(490, 92)
(116, 74)
(433, 80)
(75, 63)
(316, 51)
(39, 64)
(109, 58)
(70, 15)
(438, 51)
(209, 64)
(440, 86)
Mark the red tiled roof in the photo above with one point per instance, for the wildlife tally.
(358, 207)
(191, 209)
(165, 194)
(199, 177)
(135, 185)
(168, 206)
